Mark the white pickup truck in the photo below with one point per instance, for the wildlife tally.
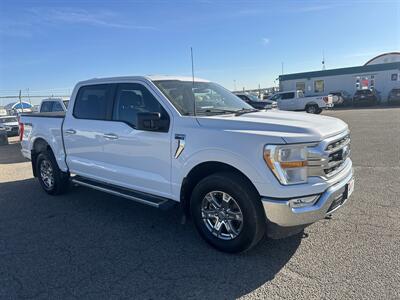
(159, 140)
(296, 101)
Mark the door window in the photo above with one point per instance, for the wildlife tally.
(94, 102)
(132, 99)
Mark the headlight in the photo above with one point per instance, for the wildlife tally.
(287, 162)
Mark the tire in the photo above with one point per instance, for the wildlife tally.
(59, 180)
(312, 109)
(243, 235)
(319, 111)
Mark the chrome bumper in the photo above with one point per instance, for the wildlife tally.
(282, 214)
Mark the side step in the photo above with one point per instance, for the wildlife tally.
(144, 198)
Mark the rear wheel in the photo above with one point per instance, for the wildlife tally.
(227, 212)
(51, 178)
(312, 109)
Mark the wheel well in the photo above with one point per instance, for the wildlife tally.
(39, 145)
(311, 103)
(198, 173)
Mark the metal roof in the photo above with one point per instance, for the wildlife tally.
(341, 71)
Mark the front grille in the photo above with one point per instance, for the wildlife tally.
(338, 151)
(329, 157)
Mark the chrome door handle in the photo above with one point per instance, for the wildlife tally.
(70, 131)
(110, 136)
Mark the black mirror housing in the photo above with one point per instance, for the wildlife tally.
(151, 121)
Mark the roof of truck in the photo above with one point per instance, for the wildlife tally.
(147, 77)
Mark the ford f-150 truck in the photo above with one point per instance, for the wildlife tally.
(160, 140)
(296, 101)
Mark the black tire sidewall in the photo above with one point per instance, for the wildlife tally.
(311, 106)
(253, 220)
(59, 181)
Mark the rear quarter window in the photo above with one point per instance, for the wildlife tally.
(47, 106)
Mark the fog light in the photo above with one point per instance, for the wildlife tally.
(302, 202)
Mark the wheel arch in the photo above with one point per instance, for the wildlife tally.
(202, 170)
(38, 146)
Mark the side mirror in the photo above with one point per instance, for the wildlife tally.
(151, 121)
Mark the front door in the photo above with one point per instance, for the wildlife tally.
(137, 159)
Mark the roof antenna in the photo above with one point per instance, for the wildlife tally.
(194, 98)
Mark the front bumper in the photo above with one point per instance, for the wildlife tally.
(281, 215)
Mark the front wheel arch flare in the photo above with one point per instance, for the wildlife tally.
(200, 171)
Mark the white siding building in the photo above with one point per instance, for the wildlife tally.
(381, 73)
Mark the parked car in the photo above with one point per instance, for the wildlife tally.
(255, 102)
(366, 97)
(394, 96)
(296, 101)
(53, 105)
(342, 98)
(10, 125)
(162, 140)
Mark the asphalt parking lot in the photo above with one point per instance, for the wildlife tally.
(90, 245)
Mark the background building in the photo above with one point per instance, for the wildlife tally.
(381, 73)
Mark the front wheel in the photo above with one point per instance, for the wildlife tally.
(227, 212)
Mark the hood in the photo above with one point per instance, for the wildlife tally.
(292, 127)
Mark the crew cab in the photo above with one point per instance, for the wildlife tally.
(296, 101)
(161, 140)
(53, 105)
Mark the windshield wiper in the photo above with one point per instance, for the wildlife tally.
(237, 112)
(245, 111)
(218, 110)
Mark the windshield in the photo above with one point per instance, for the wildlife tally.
(210, 97)
(8, 120)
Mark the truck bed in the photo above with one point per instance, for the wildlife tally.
(47, 127)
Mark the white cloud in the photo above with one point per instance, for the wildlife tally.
(265, 41)
(101, 18)
(32, 20)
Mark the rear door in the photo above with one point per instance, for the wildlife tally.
(84, 129)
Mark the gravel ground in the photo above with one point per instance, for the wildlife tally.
(90, 245)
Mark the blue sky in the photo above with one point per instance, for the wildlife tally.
(50, 45)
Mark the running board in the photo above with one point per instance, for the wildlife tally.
(144, 198)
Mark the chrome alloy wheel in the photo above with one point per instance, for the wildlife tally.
(222, 215)
(46, 174)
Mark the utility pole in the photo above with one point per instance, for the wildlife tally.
(20, 101)
(282, 68)
(323, 60)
